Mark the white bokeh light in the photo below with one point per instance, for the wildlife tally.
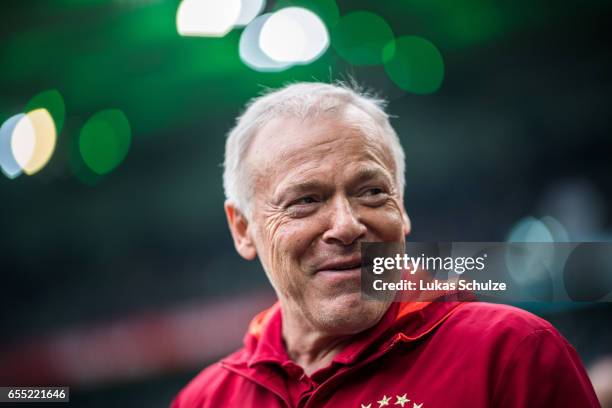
(317, 37)
(207, 18)
(251, 54)
(250, 10)
(9, 165)
(44, 140)
(294, 34)
(282, 38)
(23, 141)
(27, 142)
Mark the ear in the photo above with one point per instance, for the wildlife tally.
(407, 223)
(239, 227)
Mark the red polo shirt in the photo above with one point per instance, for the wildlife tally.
(420, 355)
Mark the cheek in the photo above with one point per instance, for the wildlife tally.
(288, 240)
(385, 222)
(296, 237)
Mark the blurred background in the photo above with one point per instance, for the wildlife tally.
(118, 274)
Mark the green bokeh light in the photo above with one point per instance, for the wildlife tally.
(360, 38)
(52, 101)
(80, 170)
(414, 64)
(105, 140)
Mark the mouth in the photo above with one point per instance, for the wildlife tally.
(341, 265)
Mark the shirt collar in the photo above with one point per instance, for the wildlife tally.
(265, 340)
(265, 337)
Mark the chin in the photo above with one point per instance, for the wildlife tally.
(348, 313)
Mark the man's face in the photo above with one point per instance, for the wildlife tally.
(320, 188)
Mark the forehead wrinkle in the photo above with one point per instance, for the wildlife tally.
(300, 163)
(299, 178)
(309, 147)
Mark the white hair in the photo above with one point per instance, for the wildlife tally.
(301, 100)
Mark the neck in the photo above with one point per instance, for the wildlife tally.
(310, 348)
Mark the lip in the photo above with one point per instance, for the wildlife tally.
(341, 265)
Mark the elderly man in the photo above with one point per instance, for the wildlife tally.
(311, 171)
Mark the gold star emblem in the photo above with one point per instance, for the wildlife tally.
(401, 400)
(366, 406)
(384, 401)
(415, 405)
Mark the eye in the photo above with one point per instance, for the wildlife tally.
(305, 200)
(373, 191)
(303, 206)
(374, 196)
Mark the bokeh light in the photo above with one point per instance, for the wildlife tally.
(8, 164)
(360, 38)
(530, 229)
(587, 276)
(207, 18)
(532, 266)
(282, 39)
(294, 34)
(251, 54)
(579, 206)
(53, 102)
(327, 10)
(414, 64)
(104, 140)
(78, 166)
(41, 124)
(23, 141)
(250, 9)
(556, 229)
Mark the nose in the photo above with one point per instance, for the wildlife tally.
(345, 227)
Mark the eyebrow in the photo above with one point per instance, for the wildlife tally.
(370, 173)
(364, 174)
(303, 187)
